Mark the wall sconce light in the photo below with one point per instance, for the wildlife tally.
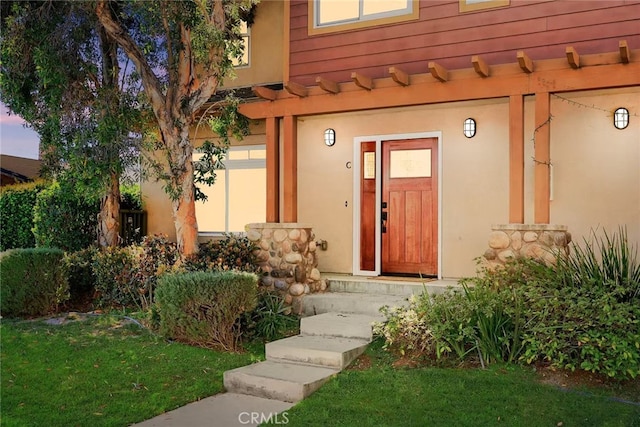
(469, 128)
(329, 137)
(621, 118)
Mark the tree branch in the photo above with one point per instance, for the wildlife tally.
(149, 79)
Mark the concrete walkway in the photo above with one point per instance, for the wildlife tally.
(223, 410)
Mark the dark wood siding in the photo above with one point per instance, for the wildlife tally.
(543, 29)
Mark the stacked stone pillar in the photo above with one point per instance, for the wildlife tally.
(287, 256)
(536, 241)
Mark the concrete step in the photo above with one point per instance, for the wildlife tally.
(345, 302)
(289, 382)
(332, 352)
(342, 325)
(387, 286)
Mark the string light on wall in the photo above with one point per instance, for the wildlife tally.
(621, 118)
(469, 128)
(329, 137)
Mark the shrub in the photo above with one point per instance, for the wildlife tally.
(63, 220)
(79, 266)
(156, 255)
(114, 270)
(271, 319)
(130, 197)
(204, 308)
(33, 283)
(233, 252)
(406, 330)
(16, 210)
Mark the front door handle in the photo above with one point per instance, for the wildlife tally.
(383, 217)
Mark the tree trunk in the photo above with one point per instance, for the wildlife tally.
(184, 206)
(109, 217)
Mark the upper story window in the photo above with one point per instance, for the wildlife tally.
(340, 15)
(243, 61)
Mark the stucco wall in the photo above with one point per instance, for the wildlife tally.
(474, 177)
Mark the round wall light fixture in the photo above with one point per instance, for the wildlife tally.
(621, 118)
(469, 128)
(329, 137)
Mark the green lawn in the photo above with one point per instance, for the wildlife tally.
(382, 395)
(101, 372)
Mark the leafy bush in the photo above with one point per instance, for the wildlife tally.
(63, 220)
(204, 308)
(582, 313)
(271, 319)
(155, 256)
(16, 210)
(130, 197)
(33, 283)
(79, 266)
(114, 270)
(232, 252)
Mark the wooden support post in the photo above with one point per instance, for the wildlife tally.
(362, 81)
(273, 169)
(481, 67)
(438, 71)
(327, 85)
(526, 64)
(399, 76)
(573, 58)
(516, 159)
(296, 89)
(542, 159)
(625, 53)
(265, 93)
(290, 169)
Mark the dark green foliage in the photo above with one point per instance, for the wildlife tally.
(271, 319)
(16, 211)
(204, 308)
(64, 220)
(130, 197)
(155, 256)
(34, 281)
(232, 252)
(79, 266)
(581, 314)
(113, 268)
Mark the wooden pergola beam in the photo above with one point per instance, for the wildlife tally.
(327, 85)
(438, 71)
(296, 89)
(525, 63)
(265, 93)
(625, 53)
(362, 81)
(399, 76)
(480, 66)
(573, 57)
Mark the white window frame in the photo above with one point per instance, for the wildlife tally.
(233, 165)
(361, 17)
(247, 49)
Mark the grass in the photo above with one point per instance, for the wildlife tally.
(381, 395)
(101, 372)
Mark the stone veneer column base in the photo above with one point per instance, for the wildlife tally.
(536, 241)
(288, 259)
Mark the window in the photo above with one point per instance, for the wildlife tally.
(244, 60)
(473, 5)
(339, 15)
(239, 196)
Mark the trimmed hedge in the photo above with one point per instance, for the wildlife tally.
(34, 281)
(204, 308)
(16, 210)
(63, 220)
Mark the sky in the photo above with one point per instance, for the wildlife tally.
(16, 139)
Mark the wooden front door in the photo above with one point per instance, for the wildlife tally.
(410, 206)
